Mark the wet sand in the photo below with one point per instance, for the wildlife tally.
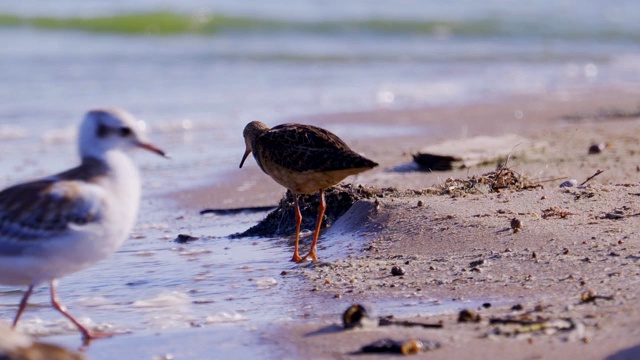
(568, 245)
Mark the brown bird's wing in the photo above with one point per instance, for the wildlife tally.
(305, 148)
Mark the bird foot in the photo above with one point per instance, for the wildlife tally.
(88, 335)
(312, 255)
(297, 258)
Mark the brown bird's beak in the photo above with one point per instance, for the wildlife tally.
(153, 148)
(244, 157)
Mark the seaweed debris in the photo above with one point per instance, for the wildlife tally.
(502, 178)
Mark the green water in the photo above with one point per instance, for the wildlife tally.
(170, 23)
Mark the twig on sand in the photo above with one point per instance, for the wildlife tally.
(385, 321)
(592, 176)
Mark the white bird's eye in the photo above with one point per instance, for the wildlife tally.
(125, 131)
(103, 130)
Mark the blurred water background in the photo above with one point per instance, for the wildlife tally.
(199, 67)
(198, 70)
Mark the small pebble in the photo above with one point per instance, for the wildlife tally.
(420, 203)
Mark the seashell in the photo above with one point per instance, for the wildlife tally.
(569, 183)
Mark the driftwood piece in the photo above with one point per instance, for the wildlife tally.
(480, 150)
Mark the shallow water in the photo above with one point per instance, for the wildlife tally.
(184, 300)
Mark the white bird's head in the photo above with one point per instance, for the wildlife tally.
(107, 129)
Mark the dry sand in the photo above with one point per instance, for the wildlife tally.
(568, 245)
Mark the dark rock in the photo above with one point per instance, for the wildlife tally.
(184, 238)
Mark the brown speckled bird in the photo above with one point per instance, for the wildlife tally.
(305, 159)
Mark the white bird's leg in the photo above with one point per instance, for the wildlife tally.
(23, 305)
(86, 333)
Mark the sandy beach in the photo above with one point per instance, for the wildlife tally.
(572, 260)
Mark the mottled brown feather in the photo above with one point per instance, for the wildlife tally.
(306, 148)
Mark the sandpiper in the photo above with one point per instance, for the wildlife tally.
(63, 223)
(305, 159)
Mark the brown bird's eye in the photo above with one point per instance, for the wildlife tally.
(125, 131)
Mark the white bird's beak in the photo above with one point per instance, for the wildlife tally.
(153, 148)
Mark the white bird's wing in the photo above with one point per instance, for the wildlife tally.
(37, 211)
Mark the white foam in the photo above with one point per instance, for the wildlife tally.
(224, 317)
(266, 283)
(171, 299)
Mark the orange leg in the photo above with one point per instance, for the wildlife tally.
(87, 334)
(321, 209)
(23, 305)
(296, 255)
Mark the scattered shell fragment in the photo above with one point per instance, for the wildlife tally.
(569, 183)
(591, 296)
(516, 225)
(353, 316)
(597, 148)
(397, 271)
(477, 263)
(408, 347)
(513, 326)
(467, 315)
(613, 216)
(185, 238)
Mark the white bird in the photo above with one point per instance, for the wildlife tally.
(63, 223)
